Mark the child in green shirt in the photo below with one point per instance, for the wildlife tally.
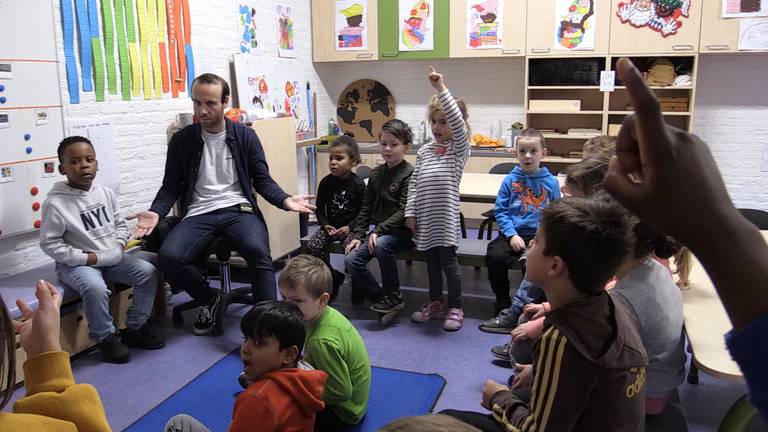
(333, 345)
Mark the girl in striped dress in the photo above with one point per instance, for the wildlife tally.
(432, 209)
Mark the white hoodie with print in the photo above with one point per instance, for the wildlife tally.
(76, 222)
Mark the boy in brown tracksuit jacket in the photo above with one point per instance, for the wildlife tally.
(588, 372)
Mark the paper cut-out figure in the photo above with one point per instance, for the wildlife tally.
(663, 16)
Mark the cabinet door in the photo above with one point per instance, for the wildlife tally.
(389, 31)
(544, 33)
(513, 31)
(719, 35)
(637, 35)
(324, 37)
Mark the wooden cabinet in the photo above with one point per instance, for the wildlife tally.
(542, 33)
(324, 38)
(278, 138)
(513, 31)
(719, 35)
(566, 129)
(628, 39)
(389, 31)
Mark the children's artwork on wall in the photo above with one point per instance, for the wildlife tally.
(292, 102)
(351, 20)
(246, 27)
(416, 18)
(575, 24)
(257, 97)
(285, 36)
(744, 8)
(753, 34)
(663, 16)
(154, 47)
(484, 24)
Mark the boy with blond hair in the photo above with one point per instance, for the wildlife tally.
(526, 190)
(588, 371)
(332, 345)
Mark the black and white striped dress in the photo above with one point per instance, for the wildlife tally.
(433, 193)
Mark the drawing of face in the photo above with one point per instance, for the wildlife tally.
(355, 21)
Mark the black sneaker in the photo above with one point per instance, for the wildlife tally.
(504, 322)
(142, 338)
(338, 279)
(500, 306)
(113, 350)
(501, 352)
(388, 303)
(205, 317)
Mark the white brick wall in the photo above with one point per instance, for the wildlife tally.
(731, 107)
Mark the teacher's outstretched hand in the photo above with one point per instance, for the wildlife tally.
(147, 222)
(299, 203)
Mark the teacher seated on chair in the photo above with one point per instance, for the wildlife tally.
(209, 169)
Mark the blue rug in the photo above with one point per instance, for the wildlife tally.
(211, 396)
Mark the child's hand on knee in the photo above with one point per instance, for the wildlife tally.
(517, 243)
(353, 245)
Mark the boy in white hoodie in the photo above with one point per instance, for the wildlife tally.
(82, 230)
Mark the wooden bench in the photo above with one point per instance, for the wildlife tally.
(471, 252)
(74, 325)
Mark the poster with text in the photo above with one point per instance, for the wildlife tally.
(246, 26)
(416, 19)
(744, 8)
(753, 34)
(285, 36)
(484, 24)
(351, 20)
(574, 24)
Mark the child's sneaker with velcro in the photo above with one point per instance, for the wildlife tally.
(428, 311)
(454, 320)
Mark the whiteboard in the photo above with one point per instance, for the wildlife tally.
(31, 118)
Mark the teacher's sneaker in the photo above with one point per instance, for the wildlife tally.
(206, 317)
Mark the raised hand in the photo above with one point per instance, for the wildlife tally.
(436, 79)
(39, 331)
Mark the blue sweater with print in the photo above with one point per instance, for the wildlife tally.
(521, 198)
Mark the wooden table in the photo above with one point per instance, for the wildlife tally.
(706, 323)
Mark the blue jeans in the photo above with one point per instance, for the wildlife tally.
(185, 250)
(386, 247)
(526, 293)
(90, 283)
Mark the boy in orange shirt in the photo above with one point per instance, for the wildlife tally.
(280, 396)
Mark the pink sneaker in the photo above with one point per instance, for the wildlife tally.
(429, 311)
(454, 319)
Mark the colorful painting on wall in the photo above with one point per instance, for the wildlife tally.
(744, 8)
(484, 24)
(663, 16)
(246, 27)
(351, 19)
(416, 18)
(575, 24)
(285, 36)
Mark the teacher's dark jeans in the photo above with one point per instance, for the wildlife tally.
(185, 250)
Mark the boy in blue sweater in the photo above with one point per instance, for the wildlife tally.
(526, 191)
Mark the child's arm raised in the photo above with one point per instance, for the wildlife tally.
(453, 116)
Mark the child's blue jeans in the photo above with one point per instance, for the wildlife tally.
(386, 247)
(526, 293)
(90, 283)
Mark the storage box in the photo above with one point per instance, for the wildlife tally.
(554, 105)
(613, 129)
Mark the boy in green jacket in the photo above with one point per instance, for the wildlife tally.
(333, 345)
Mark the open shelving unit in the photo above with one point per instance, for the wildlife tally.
(599, 109)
